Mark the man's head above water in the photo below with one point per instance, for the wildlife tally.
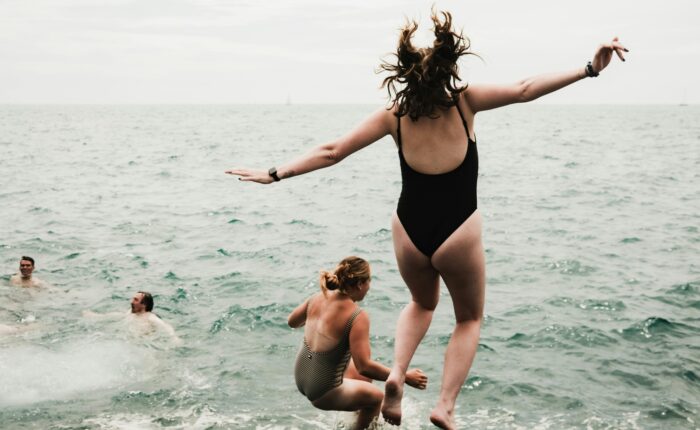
(26, 267)
(141, 302)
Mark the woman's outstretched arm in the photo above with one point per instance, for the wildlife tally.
(369, 131)
(485, 97)
(362, 356)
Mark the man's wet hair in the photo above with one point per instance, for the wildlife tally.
(147, 300)
(24, 257)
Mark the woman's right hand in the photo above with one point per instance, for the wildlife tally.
(416, 379)
(604, 53)
(248, 175)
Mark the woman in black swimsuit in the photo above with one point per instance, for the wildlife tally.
(437, 227)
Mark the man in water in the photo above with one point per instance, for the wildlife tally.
(141, 318)
(24, 278)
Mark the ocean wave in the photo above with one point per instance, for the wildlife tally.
(656, 327)
(588, 304)
(564, 337)
(239, 318)
(571, 267)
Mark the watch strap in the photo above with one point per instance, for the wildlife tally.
(273, 173)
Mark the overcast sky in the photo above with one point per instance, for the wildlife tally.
(327, 51)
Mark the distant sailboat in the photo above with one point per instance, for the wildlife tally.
(289, 100)
(684, 99)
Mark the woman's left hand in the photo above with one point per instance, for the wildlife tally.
(604, 54)
(416, 379)
(248, 175)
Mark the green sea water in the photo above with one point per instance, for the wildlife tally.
(591, 230)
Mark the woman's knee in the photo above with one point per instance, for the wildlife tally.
(426, 299)
(370, 397)
(425, 304)
(374, 396)
(470, 317)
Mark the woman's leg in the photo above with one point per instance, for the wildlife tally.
(353, 395)
(460, 261)
(424, 284)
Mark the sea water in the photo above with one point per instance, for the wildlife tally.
(591, 231)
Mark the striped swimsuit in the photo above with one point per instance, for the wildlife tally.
(316, 373)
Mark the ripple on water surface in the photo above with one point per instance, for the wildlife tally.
(654, 328)
(562, 337)
(239, 318)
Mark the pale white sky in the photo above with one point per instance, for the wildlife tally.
(314, 51)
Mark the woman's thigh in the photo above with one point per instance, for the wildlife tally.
(351, 395)
(415, 267)
(461, 264)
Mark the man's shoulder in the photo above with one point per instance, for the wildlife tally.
(153, 317)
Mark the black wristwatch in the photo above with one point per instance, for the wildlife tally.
(273, 172)
(590, 72)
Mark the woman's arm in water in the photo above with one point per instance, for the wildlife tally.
(369, 131)
(297, 318)
(362, 356)
(481, 97)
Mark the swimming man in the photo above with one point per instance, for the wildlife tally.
(141, 318)
(24, 278)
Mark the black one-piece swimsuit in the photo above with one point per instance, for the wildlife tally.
(432, 207)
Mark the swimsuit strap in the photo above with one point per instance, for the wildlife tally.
(398, 131)
(461, 116)
(348, 325)
(456, 99)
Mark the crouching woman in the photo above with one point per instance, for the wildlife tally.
(334, 366)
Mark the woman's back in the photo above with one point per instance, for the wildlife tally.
(434, 145)
(326, 320)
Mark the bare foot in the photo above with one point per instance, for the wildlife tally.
(391, 407)
(442, 419)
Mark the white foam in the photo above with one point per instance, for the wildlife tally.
(31, 374)
(203, 419)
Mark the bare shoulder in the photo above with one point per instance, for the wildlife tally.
(385, 118)
(463, 100)
(362, 318)
(315, 299)
(154, 318)
(389, 120)
(361, 323)
(389, 115)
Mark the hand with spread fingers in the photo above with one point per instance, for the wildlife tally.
(248, 175)
(604, 54)
(416, 379)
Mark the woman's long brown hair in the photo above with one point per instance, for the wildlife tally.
(429, 76)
